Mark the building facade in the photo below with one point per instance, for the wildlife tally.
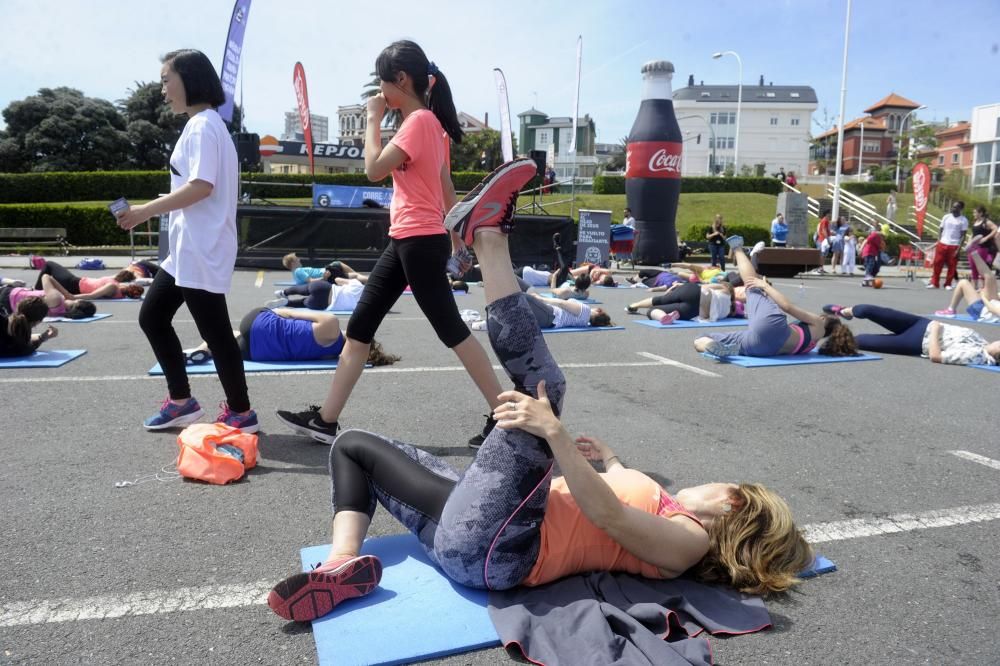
(293, 127)
(774, 127)
(869, 141)
(985, 139)
(954, 149)
(555, 136)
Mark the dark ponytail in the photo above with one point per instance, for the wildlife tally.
(29, 312)
(407, 56)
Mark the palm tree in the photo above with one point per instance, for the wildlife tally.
(392, 118)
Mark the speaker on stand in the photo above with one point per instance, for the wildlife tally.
(248, 155)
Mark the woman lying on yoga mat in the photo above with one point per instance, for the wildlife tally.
(913, 335)
(59, 305)
(141, 272)
(560, 313)
(288, 334)
(88, 288)
(562, 284)
(769, 333)
(16, 338)
(505, 521)
(982, 305)
(689, 300)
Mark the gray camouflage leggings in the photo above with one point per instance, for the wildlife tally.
(483, 526)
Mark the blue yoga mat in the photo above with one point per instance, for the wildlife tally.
(693, 323)
(618, 286)
(257, 366)
(549, 294)
(85, 320)
(583, 329)
(285, 283)
(820, 565)
(966, 318)
(416, 613)
(796, 359)
(456, 292)
(120, 300)
(989, 368)
(51, 358)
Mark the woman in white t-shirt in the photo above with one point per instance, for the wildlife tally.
(204, 186)
(912, 335)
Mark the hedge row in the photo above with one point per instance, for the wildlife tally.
(616, 185)
(874, 187)
(85, 225)
(696, 233)
(139, 185)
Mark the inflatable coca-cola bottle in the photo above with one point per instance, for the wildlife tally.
(653, 167)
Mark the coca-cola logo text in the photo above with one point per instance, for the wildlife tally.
(653, 159)
(919, 193)
(663, 161)
(300, 97)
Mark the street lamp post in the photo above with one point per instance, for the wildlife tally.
(739, 104)
(835, 212)
(861, 151)
(711, 131)
(899, 151)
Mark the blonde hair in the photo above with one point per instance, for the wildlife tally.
(289, 259)
(755, 548)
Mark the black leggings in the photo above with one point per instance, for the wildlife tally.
(907, 335)
(211, 315)
(685, 299)
(60, 274)
(246, 326)
(317, 294)
(648, 276)
(419, 261)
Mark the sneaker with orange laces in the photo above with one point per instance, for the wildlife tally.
(491, 203)
(307, 596)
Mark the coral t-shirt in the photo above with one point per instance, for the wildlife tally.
(90, 285)
(572, 544)
(417, 207)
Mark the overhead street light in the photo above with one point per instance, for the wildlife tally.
(739, 104)
(899, 151)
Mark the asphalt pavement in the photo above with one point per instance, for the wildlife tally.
(868, 442)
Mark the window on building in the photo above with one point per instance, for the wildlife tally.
(795, 121)
(981, 176)
(940, 159)
(872, 146)
(706, 94)
(730, 142)
(954, 158)
(542, 139)
(732, 117)
(774, 121)
(983, 151)
(769, 94)
(794, 94)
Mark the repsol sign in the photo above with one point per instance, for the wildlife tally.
(328, 150)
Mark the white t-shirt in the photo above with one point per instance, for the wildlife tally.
(203, 235)
(629, 222)
(535, 278)
(987, 315)
(720, 305)
(566, 319)
(952, 229)
(345, 297)
(959, 346)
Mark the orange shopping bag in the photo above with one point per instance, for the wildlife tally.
(215, 453)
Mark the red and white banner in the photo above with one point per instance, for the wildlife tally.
(921, 193)
(302, 97)
(653, 159)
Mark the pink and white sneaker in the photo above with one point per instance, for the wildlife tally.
(947, 312)
(307, 596)
(669, 318)
(491, 203)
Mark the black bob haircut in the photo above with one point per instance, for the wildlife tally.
(201, 82)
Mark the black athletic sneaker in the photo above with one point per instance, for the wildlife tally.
(477, 440)
(310, 424)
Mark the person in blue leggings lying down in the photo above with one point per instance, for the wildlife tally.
(768, 332)
(505, 521)
(912, 335)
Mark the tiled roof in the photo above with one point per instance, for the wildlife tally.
(790, 94)
(892, 99)
(870, 124)
(957, 128)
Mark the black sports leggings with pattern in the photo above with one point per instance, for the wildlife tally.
(481, 526)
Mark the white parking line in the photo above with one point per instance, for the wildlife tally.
(976, 458)
(48, 611)
(295, 373)
(677, 364)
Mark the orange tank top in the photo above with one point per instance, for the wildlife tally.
(571, 544)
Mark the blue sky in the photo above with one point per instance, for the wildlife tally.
(944, 55)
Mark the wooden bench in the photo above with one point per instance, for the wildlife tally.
(34, 236)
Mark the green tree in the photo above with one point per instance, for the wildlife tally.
(917, 138)
(479, 151)
(392, 118)
(152, 128)
(60, 129)
(617, 161)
